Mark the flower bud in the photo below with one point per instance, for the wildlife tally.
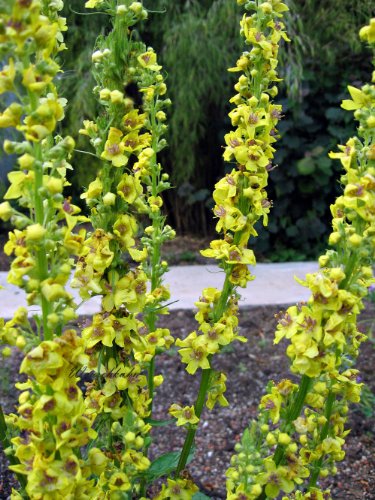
(129, 437)
(270, 439)
(20, 342)
(35, 232)
(121, 9)
(109, 199)
(355, 240)
(53, 319)
(266, 7)
(323, 260)
(105, 94)
(158, 380)
(284, 438)
(160, 115)
(136, 7)
(6, 352)
(116, 96)
(69, 314)
(97, 56)
(55, 185)
(334, 238)
(139, 442)
(6, 211)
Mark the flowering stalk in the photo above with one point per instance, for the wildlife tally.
(43, 436)
(241, 200)
(301, 427)
(42, 242)
(117, 261)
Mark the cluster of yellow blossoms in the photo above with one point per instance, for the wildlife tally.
(51, 422)
(59, 448)
(240, 201)
(301, 428)
(121, 260)
(42, 241)
(240, 197)
(75, 440)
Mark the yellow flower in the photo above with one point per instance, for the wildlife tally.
(359, 99)
(91, 4)
(148, 60)
(129, 188)
(94, 190)
(184, 415)
(6, 211)
(194, 352)
(35, 80)
(178, 489)
(7, 75)
(11, 116)
(133, 121)
(125, 228)
(119, 482)
(114, 148)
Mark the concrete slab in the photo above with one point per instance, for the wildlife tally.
(274, 284)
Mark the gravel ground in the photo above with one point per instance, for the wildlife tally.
(249, 367)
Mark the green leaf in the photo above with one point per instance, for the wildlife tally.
(159, 423)
(306, 166)
(334, 114)
(165, 464)
(324, 164)
(199, 496)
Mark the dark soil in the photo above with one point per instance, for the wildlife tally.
(248, 367)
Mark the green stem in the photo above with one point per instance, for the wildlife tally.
(317, 465)
(42, 263)
(293, 413)
(205, 379)
(41, 257)
(7, 444)
(189, 440)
